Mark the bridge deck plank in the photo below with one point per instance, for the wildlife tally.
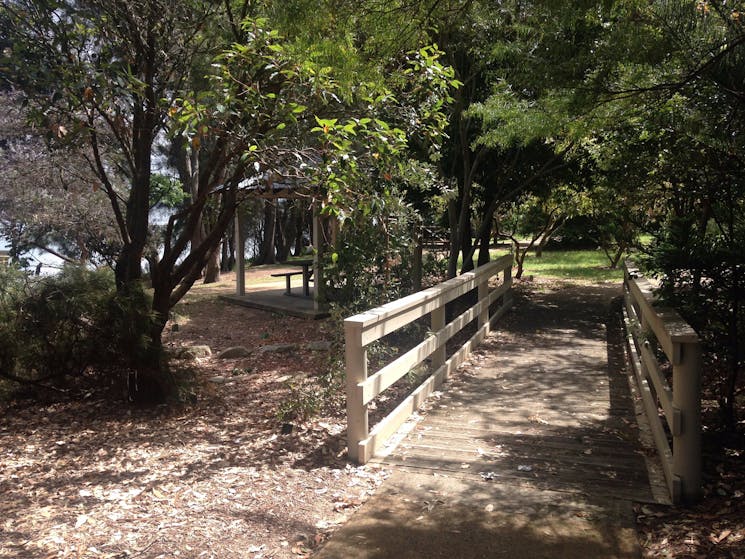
(532, 452)
(546, 406)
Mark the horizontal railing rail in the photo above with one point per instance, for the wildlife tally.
(652, 331)
(363, 329)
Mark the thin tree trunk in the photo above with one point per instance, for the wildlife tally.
(268, 251)
(520, 254)
(540, 246)
(467, 245)
(454, 239)
(227, 259)
(285, 231)
(484, 254)
(299, 216)
(519, 257)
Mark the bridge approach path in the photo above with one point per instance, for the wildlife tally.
(532, 453)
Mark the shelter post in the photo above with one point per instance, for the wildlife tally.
(240, 257)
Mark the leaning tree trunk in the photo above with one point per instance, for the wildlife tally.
(540, 245)
(212, 270)
(519, 260)
(466, 242)
(520, 254)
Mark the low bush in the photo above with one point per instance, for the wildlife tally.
(57, 328)
(373, 259)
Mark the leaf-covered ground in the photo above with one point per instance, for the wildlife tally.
(222, 478)
(714, 528)
(217, 478)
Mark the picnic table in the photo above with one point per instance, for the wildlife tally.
(307, 272)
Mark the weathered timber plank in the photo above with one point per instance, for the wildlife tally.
(608, 432)
(510, 458)
(589, 485)
(544, 444)
(596, 488)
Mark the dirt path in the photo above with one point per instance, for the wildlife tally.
(533, 455)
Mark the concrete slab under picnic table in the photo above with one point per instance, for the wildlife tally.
(276, 300)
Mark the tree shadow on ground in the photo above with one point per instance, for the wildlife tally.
(389, 526)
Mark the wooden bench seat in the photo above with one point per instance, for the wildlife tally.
(287, 276)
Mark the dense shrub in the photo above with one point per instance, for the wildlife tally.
(59, 327)
(702, 273)
(577, 233)
(12, 289)
(373, 259)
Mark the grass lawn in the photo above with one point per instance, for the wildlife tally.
(590, 265)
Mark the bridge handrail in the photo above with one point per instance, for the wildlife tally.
(649, 326)
(363, 329)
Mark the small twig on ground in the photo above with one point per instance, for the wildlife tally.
(144, 549)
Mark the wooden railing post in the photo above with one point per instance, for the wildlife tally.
(365, 328)
(507, 300)
(687, 401)
(483, 293)
(437, 321)
(356, 372)
(681, 402)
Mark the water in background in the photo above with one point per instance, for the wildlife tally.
(40, 260)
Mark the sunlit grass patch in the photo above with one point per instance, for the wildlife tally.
(589, 265)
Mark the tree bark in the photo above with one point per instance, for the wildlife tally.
(300, 214)
(519, 257)
(454, 239)
(151, 382)
(227, 259)
(285, 230)
(461, 241)
(485, 238)
(540, 246)
(467, 245)
(212, 270)
(268, 253)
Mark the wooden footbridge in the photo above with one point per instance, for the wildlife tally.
(540, 408)
(536, 449)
